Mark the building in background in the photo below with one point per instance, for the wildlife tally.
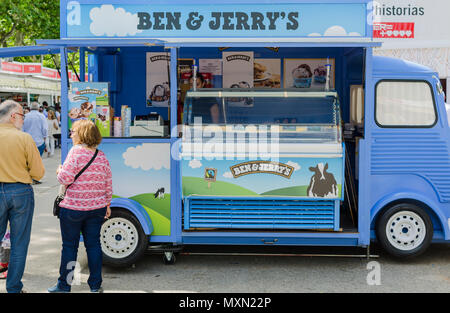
(417, 31)
(29, 82)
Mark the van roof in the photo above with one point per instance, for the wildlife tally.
(382, 65)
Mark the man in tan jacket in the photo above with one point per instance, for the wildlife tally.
(20, 163)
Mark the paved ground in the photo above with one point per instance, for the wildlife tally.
(430, 273)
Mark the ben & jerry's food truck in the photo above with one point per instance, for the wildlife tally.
(249, 123)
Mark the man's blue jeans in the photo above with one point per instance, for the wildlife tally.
(17, 207)
(89, 224)
(41, 149)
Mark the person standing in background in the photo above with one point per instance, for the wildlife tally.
(53, 126)
(35, 124)
(57, 135)
(20, 163)
(45, 108)
(5, 247)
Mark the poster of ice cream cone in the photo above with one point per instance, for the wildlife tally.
(158, 69)
(237, 69)
(238, 73)
(309, 73)
(267, 73)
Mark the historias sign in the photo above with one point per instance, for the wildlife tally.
(411, 23)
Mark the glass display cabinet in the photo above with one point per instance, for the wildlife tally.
(281, 148)
(295, 117)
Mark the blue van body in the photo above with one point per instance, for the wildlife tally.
(421, 171)
(407, 165)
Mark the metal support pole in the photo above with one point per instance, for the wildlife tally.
(173, 92)
(64, 103)
(82, 64)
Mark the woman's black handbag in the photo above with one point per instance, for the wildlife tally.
(59, 198)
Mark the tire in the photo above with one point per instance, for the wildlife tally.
(405, 230)
(122, 238)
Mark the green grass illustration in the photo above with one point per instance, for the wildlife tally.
(157, 209)
(198, 186)
(162, 206)
(297, 191)
(161, 225)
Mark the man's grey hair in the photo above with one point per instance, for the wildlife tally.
(6, 109)
(34, 106)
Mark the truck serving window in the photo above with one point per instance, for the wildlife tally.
(404, 104)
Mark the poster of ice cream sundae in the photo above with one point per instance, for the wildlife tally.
(308, 73)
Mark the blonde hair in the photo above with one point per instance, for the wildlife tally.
(52, 113)
(87, 132)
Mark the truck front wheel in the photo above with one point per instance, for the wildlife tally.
(405, 230)
(122, 239)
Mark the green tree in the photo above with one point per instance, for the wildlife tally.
(24, 21)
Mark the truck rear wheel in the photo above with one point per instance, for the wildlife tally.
(405, 230)
(122, 239)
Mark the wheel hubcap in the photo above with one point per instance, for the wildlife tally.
(406, 230)
(119, 238)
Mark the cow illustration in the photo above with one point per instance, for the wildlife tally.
(323, 184)
(159, 193)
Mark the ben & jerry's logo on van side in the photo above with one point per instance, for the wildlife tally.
(262, 167)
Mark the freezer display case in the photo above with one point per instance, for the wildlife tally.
(262, 159)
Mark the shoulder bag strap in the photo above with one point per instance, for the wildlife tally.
(84, 168)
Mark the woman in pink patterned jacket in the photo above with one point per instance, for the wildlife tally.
(85, 206)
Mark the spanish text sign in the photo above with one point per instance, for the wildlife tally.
(213, 20)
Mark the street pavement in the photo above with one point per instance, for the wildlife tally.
(230, 273)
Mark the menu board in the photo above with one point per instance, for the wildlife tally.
(213, 66)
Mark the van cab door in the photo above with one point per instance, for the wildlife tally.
(409, 153)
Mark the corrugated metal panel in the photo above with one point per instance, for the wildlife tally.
(259, 214)
(424, 154)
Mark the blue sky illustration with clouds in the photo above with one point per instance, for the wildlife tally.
(345, 19)
(138, 168)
